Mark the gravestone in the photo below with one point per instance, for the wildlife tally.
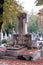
(22, 23)
(22, 38)
(1, 37)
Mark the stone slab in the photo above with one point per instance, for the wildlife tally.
(18, 54)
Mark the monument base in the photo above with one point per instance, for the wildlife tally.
(24, 41)
(21, 54)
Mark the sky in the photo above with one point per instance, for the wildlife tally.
(29, 5)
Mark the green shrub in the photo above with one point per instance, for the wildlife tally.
(33, 28)
(41, 52)
(4, 41)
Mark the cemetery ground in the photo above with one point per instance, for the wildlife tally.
(4, 61)
(21, 62)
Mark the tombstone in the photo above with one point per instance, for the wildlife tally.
(5, 36)
(22, 38)
(22, 23)
(21, 27)
(1, 37)
(9, 36)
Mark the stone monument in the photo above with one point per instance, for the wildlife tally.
(22, 38)
(22, 23)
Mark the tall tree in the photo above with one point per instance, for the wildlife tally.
(40, 13)
(1, 12)
(8, 27)
(31, 18)
(10, 9)
(32, 26)
(39, 2)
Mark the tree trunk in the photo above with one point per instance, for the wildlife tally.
(1, 25)
(1, 13)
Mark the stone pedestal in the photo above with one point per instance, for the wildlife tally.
(24, 41)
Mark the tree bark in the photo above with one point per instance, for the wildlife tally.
(1, 25)
(1, 13)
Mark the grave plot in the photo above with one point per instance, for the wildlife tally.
(21, 47)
